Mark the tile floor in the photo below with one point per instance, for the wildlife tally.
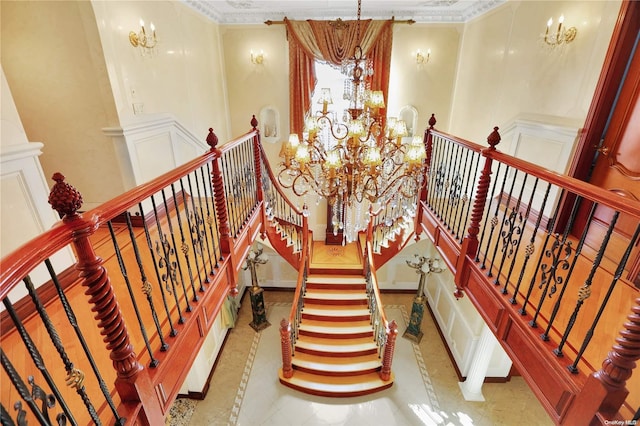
(510, 403)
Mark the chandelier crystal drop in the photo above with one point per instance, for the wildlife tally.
(355, 159)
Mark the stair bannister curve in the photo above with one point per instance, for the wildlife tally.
(282, 221)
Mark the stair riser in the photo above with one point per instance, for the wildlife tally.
(338, 354)
(335, 394)
(336, 336)
(336, 286)
(333, 271)
(332, 318)
(356, 302)
(335, 373)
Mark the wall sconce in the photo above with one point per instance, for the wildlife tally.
(562, 35)
(422, 58)
(146, 42)
(257, 58)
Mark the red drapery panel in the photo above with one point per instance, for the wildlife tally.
(333, 42)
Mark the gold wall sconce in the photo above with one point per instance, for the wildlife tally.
(257, 58)
(146, 41)
(423, 58)
(561, 36)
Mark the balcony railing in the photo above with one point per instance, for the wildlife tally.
(154, 266)
(551, 278)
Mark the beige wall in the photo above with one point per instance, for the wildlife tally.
(185, 76)
(53, 62)
(427, 87)
(505, 72)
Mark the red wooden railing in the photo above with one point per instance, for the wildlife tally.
(198, 223)
(494, 224)
(160, 287)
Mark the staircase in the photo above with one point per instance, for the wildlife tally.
(336, 354)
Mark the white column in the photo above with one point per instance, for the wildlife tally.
(472, 387)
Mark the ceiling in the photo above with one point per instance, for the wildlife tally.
(259, 11)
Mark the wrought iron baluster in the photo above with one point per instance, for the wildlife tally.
(146, 285)
(470, 187)
(123, 270)
(193, 237)
(452, 193)
(573, 368)
(184, 247)
(75, 377)
(147, 235)
(464, 196)
(545, 336)
(37, 359)
(530, 248)
(585, 291)
(503, 221)
(446, 181)
(200, 222)
(513, 234)
(198, 232)
(175, 250)
(23, 391)
(74, 323)
(434, 178)
(165, 251)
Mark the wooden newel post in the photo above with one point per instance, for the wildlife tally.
(389, 348)
(259, 172)
(132, 380)
(220, 201)
(470, 243)
(605, 390)
(428, 147)
(285, 342)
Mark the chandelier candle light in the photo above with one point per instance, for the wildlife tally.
(356, 159)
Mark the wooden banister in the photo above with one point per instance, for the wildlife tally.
(132, 382)
(578, 187)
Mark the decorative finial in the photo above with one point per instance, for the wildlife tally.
(254, 122)
(212, 139)
(432, 121)
(494, 138)
(64, 198)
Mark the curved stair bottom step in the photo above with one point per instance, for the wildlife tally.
(336, 387)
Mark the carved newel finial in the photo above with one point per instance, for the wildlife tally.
(494, 138)
(254, 122)
(64, 198)
(432, 121)
(212, 139)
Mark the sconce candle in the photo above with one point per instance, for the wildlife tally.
(257, 58)
(145, 42)
(562, 35)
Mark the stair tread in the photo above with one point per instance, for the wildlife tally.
(336, 364)
(335, 310)
(325, 344)
(346, 324)
(335, 294)
(335, 279)
(337, 384)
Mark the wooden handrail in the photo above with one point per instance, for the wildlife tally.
(277, 186)
(579, 187)
(376, 290)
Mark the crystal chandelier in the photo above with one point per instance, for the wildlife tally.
(355, 159)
